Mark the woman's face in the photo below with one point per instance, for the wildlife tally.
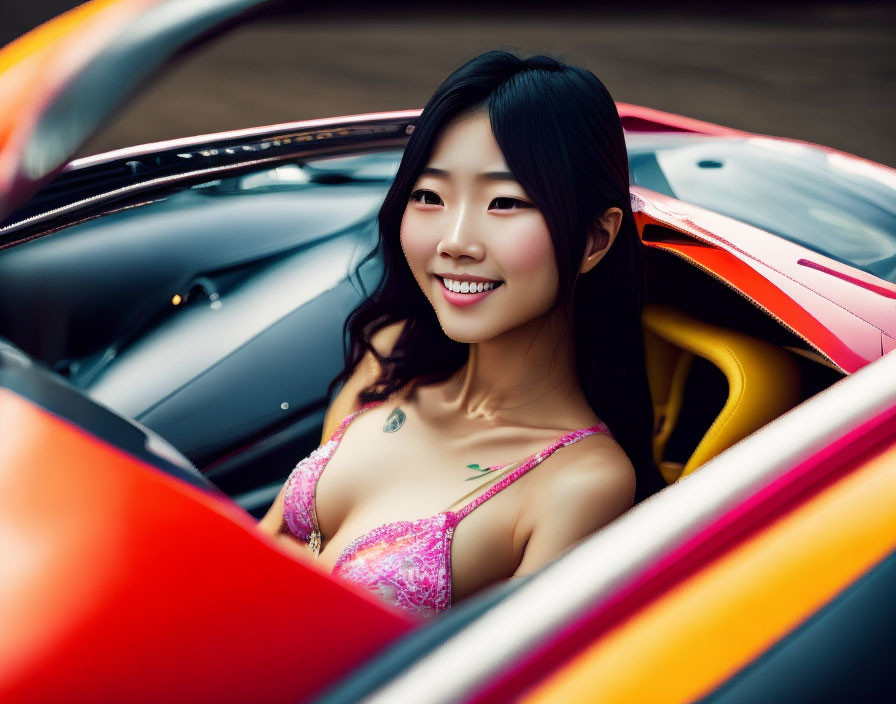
(469, 223)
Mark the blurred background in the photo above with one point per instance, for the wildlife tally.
(820, 71)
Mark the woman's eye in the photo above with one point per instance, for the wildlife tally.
(421, 197)
(426, 197)
(509, 203)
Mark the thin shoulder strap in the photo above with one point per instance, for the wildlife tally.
(340, 431)
(533, 461)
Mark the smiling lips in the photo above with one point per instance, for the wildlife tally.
(466, 290)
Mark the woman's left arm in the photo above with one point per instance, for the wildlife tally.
(577, 500)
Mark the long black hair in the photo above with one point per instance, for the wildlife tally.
(560, 134)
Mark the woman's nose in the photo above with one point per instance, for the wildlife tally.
(461, 240)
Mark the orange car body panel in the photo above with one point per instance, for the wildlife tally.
(35, 67)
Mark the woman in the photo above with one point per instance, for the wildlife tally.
(495, 406)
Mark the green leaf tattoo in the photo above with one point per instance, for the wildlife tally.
(481, 470)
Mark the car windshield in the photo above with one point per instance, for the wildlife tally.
(842, 207)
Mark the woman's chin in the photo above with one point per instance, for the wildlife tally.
(468, 334)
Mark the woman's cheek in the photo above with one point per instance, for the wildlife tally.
(529, 248)
(415, 245)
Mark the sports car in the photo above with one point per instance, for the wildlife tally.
(172, 313)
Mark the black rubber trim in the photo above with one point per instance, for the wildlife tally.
(49, 391)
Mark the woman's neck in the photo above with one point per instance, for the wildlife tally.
(517, 375)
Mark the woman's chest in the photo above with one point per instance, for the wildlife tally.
(375, 480)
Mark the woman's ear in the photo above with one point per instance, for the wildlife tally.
(600, 236)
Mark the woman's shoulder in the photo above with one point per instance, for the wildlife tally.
(384, 339)
(594, 474)
(590, 483)
(364, 374)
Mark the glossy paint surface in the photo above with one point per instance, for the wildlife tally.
(708, 627)
(839, 206)
(159, 578)
(842, 319)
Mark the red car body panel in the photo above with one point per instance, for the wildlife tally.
(164, 584)
(842, 311)
(636, 118)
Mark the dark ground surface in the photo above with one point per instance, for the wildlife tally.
(821, 72)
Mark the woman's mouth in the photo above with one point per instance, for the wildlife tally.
(466, 293)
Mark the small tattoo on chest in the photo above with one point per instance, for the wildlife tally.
(394, 421)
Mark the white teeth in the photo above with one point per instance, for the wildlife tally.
(468, 286)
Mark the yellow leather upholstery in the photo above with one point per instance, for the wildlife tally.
(763, 381)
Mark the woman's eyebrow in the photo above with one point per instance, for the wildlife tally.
(489, 175)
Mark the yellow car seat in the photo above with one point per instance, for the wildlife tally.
(764, 381)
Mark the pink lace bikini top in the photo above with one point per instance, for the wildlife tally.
(406, 562)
